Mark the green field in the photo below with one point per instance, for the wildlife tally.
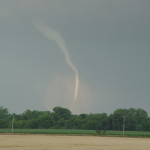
(49, 131)
(77, 132)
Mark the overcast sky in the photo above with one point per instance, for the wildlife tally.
(108, 41)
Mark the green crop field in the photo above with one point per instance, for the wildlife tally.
(129, 133)
(49, 131)
(77, 132)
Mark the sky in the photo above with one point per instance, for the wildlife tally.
(108, 41)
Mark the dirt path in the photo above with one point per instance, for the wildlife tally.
(53, 142)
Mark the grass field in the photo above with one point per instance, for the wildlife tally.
(76, 132)
(50, 131)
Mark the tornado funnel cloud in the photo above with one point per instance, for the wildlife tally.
(58, 39)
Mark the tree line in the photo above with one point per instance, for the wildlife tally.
(62, 118)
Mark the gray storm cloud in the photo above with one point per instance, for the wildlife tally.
(58, 39)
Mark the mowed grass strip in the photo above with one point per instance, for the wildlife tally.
(49, 131)
(129, 133)
(77, 132)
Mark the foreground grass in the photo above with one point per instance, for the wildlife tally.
(77, 132)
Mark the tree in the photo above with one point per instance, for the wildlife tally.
(3, 112)
(4, 117)
(135, 119)
(62, 112)
(45, 121)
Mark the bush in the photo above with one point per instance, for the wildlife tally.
(100, 132)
